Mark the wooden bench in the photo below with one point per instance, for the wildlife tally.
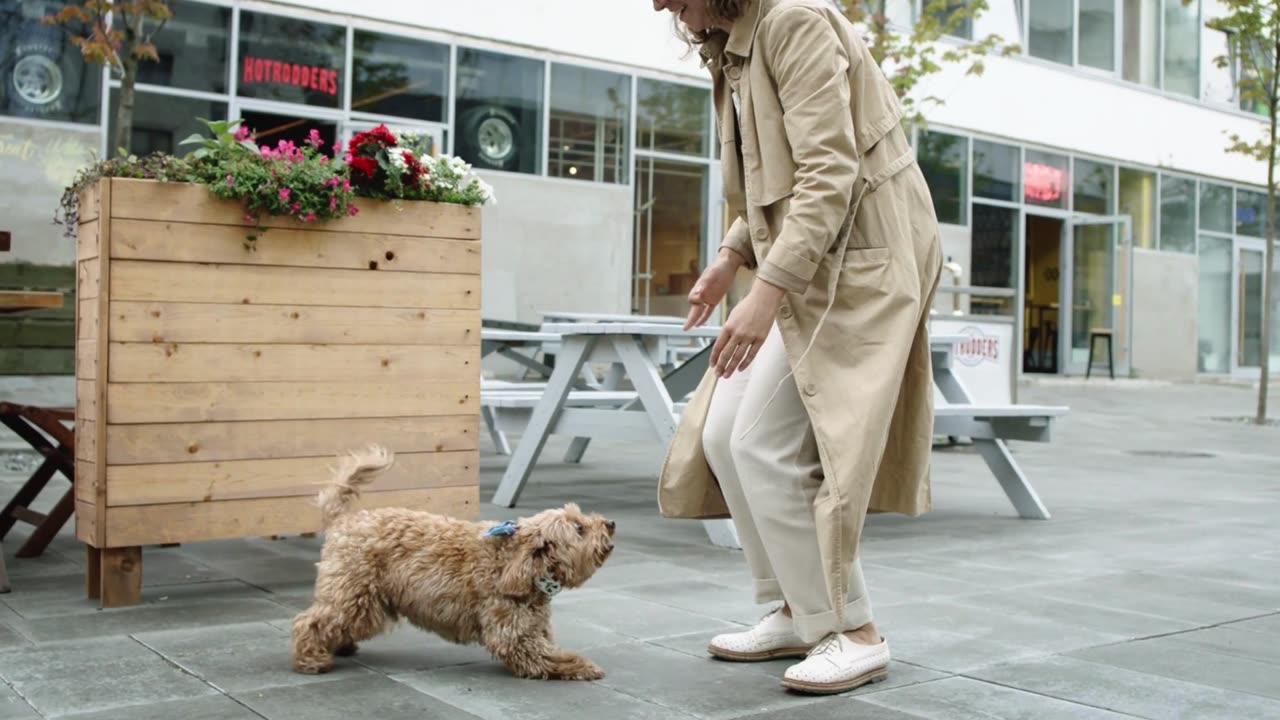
(46, 431)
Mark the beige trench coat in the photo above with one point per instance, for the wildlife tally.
(819, 141)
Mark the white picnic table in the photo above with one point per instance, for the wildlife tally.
(651, 411)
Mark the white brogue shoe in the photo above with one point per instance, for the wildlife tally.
(838, 665)
(773, 637)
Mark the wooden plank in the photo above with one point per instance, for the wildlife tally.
(89, 240)
(224, 244)
(86, 481)
(169, 202)
(207, 442)
(121, 575)
(191, 522)
(289, 477)
(249, 285)
(90, 205)
(86, 361)
(87, 440)
(30, 299)
(86, 400)
(99, 416)
(87, 320)
(88, 278)
(215, 402)
(86, 523)
(187, 362)
(193, 322)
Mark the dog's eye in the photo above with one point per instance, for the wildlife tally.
(581, 529)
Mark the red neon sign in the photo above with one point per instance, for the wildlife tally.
(307, 77)
(1042, 183)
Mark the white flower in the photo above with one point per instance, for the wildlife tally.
(398, 162)
(486, 192)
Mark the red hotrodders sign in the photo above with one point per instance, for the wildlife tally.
(308, 77)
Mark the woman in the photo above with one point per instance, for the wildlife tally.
(818, 407)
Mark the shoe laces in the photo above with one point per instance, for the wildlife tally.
(830, 644)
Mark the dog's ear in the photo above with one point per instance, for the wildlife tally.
(527, 564)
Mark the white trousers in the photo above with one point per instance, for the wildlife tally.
(762, 450)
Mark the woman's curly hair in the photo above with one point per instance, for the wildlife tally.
(726, 10)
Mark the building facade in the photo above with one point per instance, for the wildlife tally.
(1087, 173)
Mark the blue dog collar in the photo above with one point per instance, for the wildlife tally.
(506, 529)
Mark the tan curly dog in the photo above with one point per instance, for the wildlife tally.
(469, 583)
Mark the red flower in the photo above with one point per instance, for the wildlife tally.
(364, 165)
(383, 135)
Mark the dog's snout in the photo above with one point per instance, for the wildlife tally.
(610, 526)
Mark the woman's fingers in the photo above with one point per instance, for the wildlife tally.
(696, 312)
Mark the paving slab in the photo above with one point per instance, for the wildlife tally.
(98, 674)
(1183, 661)
(1129, 691)
(489, 691)
(13, 707)
(966, 699)
(212, 707)
(232, 658)
(372, 697)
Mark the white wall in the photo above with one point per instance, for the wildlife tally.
(1044, 103)
(555, 245)
(1166, 310)
(622, 31)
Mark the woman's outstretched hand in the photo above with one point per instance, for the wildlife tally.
(711, 287)
(748, 325)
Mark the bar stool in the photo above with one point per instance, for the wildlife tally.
(1095, 335)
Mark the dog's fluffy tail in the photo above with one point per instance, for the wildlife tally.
(356, 468)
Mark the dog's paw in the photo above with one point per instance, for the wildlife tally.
(583, 669)
(308, 667)
(347, 650)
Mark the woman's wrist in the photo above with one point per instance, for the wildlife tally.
(767, 290)
(731, 257)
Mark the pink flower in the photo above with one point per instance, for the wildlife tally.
(313, 139)
(309, 217)
(266, 151)
(337, 148)
(331, 182)
(242, 133)
(249, 219)
(346, 185)
(294, 208)
(284, 194)
(353, 211)
(333, 203)
(324, 159)
(230, 181)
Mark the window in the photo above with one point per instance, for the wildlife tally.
(43, 75)
(1218, 84)
(1215, 207)
(590, 110)
(399, 76)
(1215, 305)
(996, 171)
(1182, 48)
(1141, 45)
(160, 122)
(1177, 214)
(291, 60)
(1098, 34)
(193, 49)
(1252, 99)
(1046, 179)
(994, 242)
(944, 159)
(1052, 30)
(945, 13)
(1093, 187)
(1251, 213)
(672, 118)
(1138, 201)
(499, 111)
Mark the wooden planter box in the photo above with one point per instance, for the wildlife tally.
(215, 386)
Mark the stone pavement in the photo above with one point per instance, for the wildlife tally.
(1154, 592)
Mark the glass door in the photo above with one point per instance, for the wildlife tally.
(1095, 291)
(1250, 261)
(670, 234)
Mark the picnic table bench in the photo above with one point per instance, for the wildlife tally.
(652, 410)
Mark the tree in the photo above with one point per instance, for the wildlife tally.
(909, 57)
(1252, 28)
(118, 34)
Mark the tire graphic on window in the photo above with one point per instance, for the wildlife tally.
(492, 136)
(35, 82)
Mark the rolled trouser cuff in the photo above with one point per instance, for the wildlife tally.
(812, 628)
